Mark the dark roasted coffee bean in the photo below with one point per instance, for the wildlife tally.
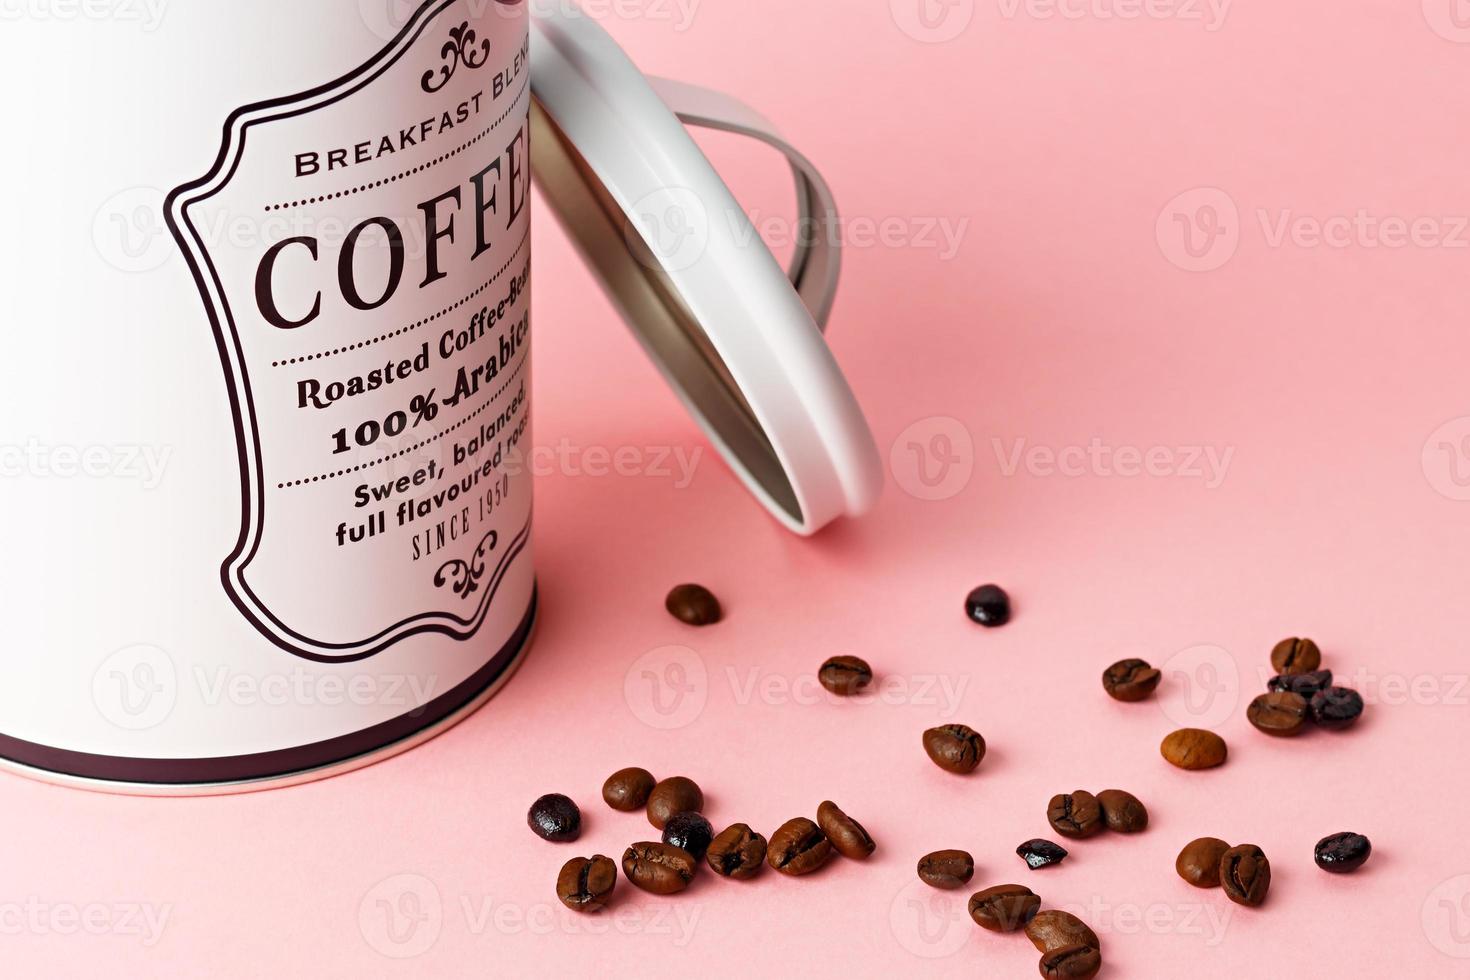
(1071, 963)
(1304, 684)
(1295, 656)
(658, 868)
(1199, 862)
(693, 604)
(1122, 811)
(1245, 874)
(585, 884)
(798, 847)
(1130, 680)
(1054, 929)
(1342, 853)
(737, 852)
(1004, 908)
(845, 676)
(1336, 707)
(1074, 814)
(1193, 748)
(956, 748)
(676, 794)
(689, 831)
(627, 789)
(947, 869)
(1278, 713)
(989, 606)
(845, 833)
(555, 818)
(1039, 853)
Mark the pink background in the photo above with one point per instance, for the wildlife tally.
(1058, 139)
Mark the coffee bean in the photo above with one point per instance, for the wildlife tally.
(1054, 929)
(1130, 680)
(947, 869)
(1122, 811)
(676, 794)
(1071, 963)
(955, 748)
(1004, 908)
(798, 847)
(1342, 853)
(1199, 862)
(1304, 684)
(555, 818)
(1295, 656)
(627, 789)
(693, 604)
(845, 833)
(1245, 874)
(737, 852)
(690, 832)
(1193, 748)
(661, 869)
(1336, 707)
(845, 676)
(1278, 713)
(1074, 814)
(586, 884)
(989, 606)
(1039, 853)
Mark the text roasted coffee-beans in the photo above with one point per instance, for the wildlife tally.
(693, 604)
(955, 748)
(1199, 862)
(627, 789)
(1004, 908)
(661, 869)
(989, 606)
(586, 884)
(798, 847)
(1130, 680)
(1295, 656)
(1055, 929)
(1071, 963)
(555, 818)
(1075, 814)
(1341, 853)
(947, 869)
(1336, 708)
(1245, 874)
(690, 832)
(845, 676)
(677, 794)
(1280, 713)
(1122, 812)
(1039, 853)
(1193, 748)
(737, 852)
(845, 833)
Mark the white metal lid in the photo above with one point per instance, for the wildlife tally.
(738, 339)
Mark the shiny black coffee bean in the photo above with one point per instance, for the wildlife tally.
(1336, 707)
(1039, 853)
(1130, 680)
(989, 606)
(586, 884)
(947, 869)
(737, 852)
(693, 604)
(1342, 853)
(555, 818)
(845, 676)
(689, 831)
(1304, 684)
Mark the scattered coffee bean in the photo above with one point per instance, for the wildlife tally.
(845, 833)
(1004, 908)
(1074, 814)
(1336, 708)
(693, 604)
(947, 869)
(1071, 963)
(1199, 862)
(661, 869)
(1304, 684)
(737, 852)
(1122, 812)
(845, 676)
(1279, 713)
(1193, 748)
(555, 818)
(1342, 853)
(585, 884)
(1039, 853)
(1054, 929)
(989, 606)
(627, 789)
(676, 794)
(955, 748)
(1245, 874)
(798, 847)
(1130, 680)
(690, 832)
(1296, 656)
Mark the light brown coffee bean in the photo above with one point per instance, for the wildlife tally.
(955, 748)
(1122, 812)
(1004, 908)
(845, 833)
(658, 868)
(1075, 814)
(627, 789)
(1193, 748)
(586, 884)
(737, 852)
(798, 847)
(677, 794)
(1279, 713)
(1199, 862)
(1295, 655)
(1054, 929)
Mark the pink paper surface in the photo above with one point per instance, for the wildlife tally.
(1177, 448)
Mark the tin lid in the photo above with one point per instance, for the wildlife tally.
(738, 338)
